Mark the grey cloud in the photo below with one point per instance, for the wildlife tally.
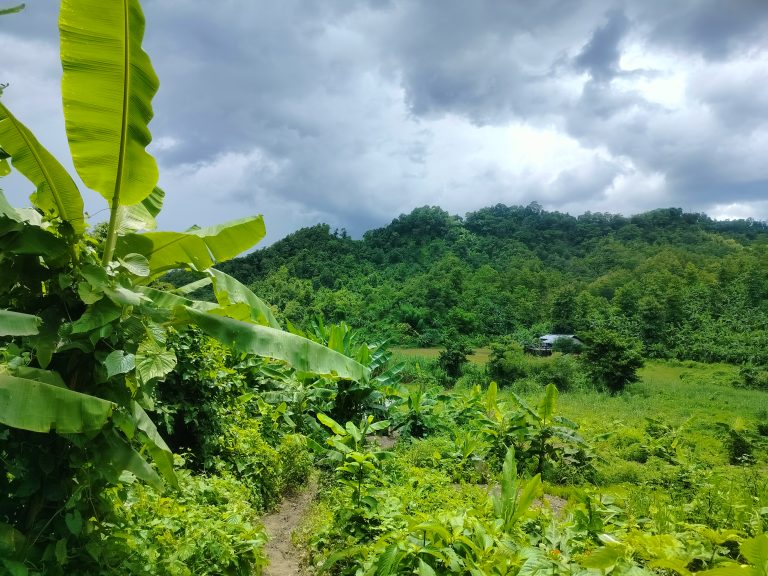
(338, 111)
(600, 56)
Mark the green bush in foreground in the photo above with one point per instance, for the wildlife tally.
(207, 527)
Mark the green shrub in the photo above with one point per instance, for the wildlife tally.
(612, 359)
(507, 361)
(246, 455)
(454, 357)
(295, 462)
(207, 527)
(563, 371)
(754, 377)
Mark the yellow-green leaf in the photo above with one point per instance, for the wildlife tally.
(199, 249)
(55, 190)
(107, 88)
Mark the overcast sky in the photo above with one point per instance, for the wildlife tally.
(353, 112)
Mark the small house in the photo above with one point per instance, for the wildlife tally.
(546, 344)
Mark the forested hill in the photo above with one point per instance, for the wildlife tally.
(687, 285)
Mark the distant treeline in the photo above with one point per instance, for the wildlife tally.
(688, 286)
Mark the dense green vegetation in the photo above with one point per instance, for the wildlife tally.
(667, 478)
(687, 286)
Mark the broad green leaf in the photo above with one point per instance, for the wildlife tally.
(33, 240)
(168, 301)
(335, 427)
(756, 551)
(531, 489)
(604, 558)
(548, 403)
(161, 453)
(124, 296)
(230, 291)
(729, 570)
(7, 210)
(425, 569)
(153, 362)
(74, 522)
(118, 362)
(47, 339)
(136, 264)
(229, 239)
(45, 376)
(121, 456)
(199, 249)
(141, 216)
(387, 562)
(107, 88)
(18, 324)
(97, 315)
(11, 540)
(56, 191)
(5, 168)
(40, 407)
(193, 286)
(301, 353)
(14, 567)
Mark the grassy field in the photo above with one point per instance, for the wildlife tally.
(479, 356)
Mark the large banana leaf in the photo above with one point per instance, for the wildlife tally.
(107, 88)
(18, 324)
(39, 407)
(230, 291)
(140, 216)
(301, 353)
(56, 191)
(200, 248)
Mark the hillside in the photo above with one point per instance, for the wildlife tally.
(687, 285)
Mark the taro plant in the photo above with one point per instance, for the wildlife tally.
(83, 334)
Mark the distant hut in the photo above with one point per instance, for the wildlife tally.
(549, 342)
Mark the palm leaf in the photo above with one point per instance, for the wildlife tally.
(107, 88)
(39, 407)
(56, 191)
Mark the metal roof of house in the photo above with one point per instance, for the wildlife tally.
(550, 338)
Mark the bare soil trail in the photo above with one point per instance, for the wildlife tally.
(284, 557)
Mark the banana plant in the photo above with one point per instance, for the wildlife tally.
(82, 330)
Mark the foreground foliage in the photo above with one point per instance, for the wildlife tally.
(86, 335)
(633, 495)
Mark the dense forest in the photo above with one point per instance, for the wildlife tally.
(688, 286)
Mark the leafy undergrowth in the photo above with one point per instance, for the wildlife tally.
(669, 477)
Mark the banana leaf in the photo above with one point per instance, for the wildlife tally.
(229, 291)
(18, 324)
(301, 353)
(197, 249)
(56, 191)
(39, 407)
(107, 88)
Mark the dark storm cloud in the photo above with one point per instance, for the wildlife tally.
(355, 112)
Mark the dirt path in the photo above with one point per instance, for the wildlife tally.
(284, 558)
